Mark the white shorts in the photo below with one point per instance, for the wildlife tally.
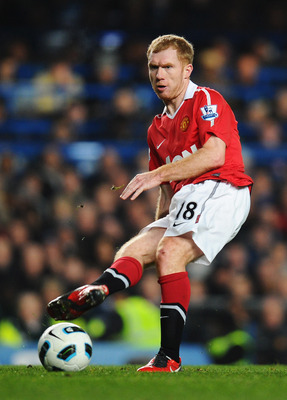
(214, 211)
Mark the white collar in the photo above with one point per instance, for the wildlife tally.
(191, 88)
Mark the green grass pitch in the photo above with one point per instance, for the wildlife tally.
(124, 383)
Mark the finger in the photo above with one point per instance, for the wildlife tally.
(133, 189)
(125, 191)
(128, 192)
(137, 193)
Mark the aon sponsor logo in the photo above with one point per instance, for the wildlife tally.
(184, 154)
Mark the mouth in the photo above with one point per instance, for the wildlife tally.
(160, 88)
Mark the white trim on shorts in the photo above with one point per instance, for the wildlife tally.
(215, 213)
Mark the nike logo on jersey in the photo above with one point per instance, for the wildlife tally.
(158, 146)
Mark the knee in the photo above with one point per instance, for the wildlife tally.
(174, 253)
(163, 253)
(170, 248)
(165, 258)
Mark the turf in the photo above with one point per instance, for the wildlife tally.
(196, 383)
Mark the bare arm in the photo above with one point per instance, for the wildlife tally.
(210, 156)
(165, 195)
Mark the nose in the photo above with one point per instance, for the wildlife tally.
(159, 73)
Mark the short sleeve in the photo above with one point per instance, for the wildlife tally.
(214, 116)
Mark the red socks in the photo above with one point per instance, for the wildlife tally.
(128, 267)
(124, 272)
(175, 289)
(175, 292)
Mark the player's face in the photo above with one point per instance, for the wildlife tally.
(168, 75)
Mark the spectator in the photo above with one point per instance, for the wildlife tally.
(33, 268)
(127, 119)
(8, 69)
(30, 321)
(271, 343)
(62, 132)
(270, 134)
(280, 106)
(248, 68)
(56, 88)
(9, 277)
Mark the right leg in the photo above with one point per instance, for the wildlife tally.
(130, 259)
(124, 272)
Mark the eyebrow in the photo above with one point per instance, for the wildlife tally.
(168, 64)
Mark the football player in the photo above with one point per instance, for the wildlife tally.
(204, 197)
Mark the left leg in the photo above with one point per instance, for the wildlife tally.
(173, 254)
(221, 209)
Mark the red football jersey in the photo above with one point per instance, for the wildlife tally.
(203, 113)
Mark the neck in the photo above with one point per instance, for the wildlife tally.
(173, 104)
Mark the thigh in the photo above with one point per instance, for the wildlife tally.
(220, 220)
(212, 212)
(143, 246)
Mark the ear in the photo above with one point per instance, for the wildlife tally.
(188, 70)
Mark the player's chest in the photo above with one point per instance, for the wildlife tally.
(177, 137)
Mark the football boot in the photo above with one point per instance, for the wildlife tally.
(73, 304)
(161, 363)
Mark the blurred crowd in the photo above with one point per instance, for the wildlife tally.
(83, 78)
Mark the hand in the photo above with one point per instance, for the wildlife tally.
(140, 183)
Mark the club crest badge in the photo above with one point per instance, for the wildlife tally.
(184, 124)
(209, 112)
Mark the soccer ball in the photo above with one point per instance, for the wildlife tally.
(65, 347)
